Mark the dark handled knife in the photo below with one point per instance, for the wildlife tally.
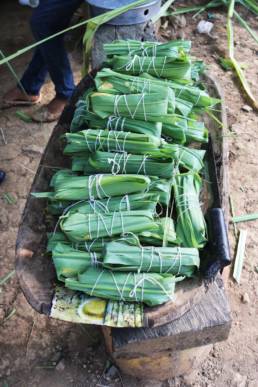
(217, 253)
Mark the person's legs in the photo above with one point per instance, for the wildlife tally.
(35, 74)
(50, 17)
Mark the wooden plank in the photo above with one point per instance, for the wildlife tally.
(205, 323)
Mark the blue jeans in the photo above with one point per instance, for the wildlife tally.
(48, 18)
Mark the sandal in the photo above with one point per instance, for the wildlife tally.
(20, 102)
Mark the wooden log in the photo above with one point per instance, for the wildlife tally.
(108, 33)
(172, 349)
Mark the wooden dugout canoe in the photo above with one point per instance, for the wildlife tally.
(34, 268)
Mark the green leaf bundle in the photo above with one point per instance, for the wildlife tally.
(185, 130)
(161, 67)
(191, 227)
(84, 118)
(108, 81)
(141, 201)
(69, 262)
(121, 256)
(135, 47)
(149, 288)
(186, 92)
(164, 235)
(162, 187)
(188, 158)
(144, 107)
(82, 227)
(126, 163)
(92, 246)
(91, 140)
(69, 187)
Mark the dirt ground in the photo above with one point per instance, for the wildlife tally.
(37, 351)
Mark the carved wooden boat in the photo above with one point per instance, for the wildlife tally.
(35, 270)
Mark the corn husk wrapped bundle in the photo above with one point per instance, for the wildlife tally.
(188, 158)
(121, 256)
(82, 227)
(124, 141)
(144, 107)
(191, 227)
(126, 163)
(183, 107)
(135, 47)
(144, 201)
(69, 187)
(149, 288)
(163, 235)
(152, 107)
(89, 141)
(118, 240)
(108, 81)
(162, 187)
(185, 130)
(193, 94)
(80, 162)
(84, 118)
(92, 246)
(183, 98)
(69, 262)
(198, 97)
(111, 82)
(162, 67)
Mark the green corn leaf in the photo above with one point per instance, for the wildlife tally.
(84, 118)
(162, 187)
(110, 82)
(184, 93)
(190, 94)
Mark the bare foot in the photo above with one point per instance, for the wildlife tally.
(17, 97)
